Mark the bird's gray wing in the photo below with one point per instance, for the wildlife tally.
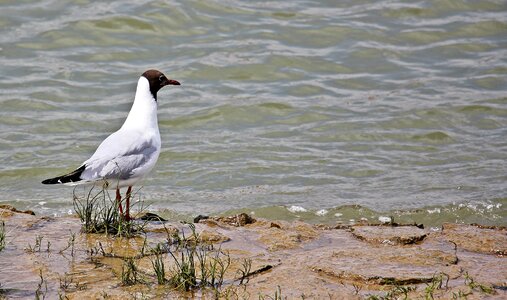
(120, 157)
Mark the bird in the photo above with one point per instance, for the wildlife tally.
(126, 156)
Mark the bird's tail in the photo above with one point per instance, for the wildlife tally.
(73, 176)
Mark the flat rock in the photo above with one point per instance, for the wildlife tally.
(398, 235)
(482, 239)
(286, 236)
(383, 264)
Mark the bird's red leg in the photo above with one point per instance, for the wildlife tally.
(118, 199)
(127, 205)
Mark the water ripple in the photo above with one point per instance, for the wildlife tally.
(314, 104)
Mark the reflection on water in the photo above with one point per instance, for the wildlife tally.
(387, 105)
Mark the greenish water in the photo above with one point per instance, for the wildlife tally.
(325, 111)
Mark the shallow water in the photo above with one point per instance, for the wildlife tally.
(391, 106)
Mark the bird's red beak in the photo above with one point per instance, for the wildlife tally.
(172, 82)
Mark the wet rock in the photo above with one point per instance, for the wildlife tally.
(492, 240)
(383, 265)
(275, 225)
(210, 223)
(399, 235)
(277, 239)
(39, 222)
(342, 226)
(238, 220)
(199, 218)
(11, 208)
(148, 216)
(212, 237)
(6, 213)
(295, 280)
(290, 237)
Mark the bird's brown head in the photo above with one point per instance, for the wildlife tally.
(157, 81)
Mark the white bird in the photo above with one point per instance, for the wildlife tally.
(129, 154)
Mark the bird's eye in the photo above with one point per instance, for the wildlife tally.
(161, 78)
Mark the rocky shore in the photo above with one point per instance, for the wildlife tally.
(49, 258)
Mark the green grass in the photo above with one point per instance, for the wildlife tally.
(129, 272)
(438, 282)
(196, 264)
(474, 285)
(99, 214)
(158, 265)
(397, 292)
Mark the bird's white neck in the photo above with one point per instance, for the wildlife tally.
(144, 110)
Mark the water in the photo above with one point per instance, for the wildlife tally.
(287, 109)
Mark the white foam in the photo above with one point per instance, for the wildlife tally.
(322, 212)
(435, 210)
(295, 209)
(472, 206)
(383, 219)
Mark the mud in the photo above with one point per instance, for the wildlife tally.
(50, 256)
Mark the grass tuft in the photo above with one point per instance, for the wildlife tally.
(158, 264)
(129, 272)
(99, 214)
(197, 265)
(438, 282)
(474, 285)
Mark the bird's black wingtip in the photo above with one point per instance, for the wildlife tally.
(48, 181)
(73, 176)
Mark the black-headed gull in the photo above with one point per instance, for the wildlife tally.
(129, 154)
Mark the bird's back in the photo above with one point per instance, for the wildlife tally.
(125, 154)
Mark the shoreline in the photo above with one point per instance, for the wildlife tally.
(50, 256)
(491, 213)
